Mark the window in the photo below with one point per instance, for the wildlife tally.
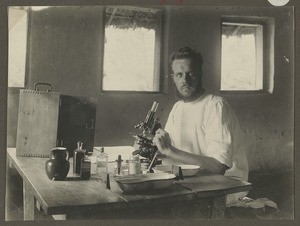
(17, 44)
(131, 49)
(247, 59)
(242, 56)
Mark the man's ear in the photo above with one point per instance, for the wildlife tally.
(172, 76)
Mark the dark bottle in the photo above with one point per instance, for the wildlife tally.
(77, 157)
(57, 167)
(85, 168)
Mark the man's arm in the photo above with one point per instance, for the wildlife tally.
(209, 163)
(163, 142)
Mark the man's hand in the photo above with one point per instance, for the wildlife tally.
(136, 145)
(163, 141)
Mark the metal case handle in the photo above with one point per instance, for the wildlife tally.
(42, 83)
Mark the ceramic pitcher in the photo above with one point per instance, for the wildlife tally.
(57, 167)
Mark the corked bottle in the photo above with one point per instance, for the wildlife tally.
(77, 157)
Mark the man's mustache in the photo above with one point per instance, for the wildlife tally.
(185, 86)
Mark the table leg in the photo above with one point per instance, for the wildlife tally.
(218, 207)
(28, 202)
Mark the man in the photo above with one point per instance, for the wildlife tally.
(201, 128)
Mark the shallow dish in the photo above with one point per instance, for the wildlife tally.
(145, 182)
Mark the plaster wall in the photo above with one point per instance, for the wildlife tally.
(65, 49)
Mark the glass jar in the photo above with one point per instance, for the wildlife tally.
(134, 165)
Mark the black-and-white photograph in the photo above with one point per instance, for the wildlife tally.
(150, 111)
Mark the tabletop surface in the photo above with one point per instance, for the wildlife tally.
(57, 197)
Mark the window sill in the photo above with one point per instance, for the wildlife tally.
(130, 92)
(245, 92)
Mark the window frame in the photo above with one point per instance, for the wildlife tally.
(158, 53)
(267, 48)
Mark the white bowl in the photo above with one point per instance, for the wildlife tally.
(163, 169)
(187, 170)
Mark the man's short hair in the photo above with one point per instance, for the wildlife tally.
(187, 53)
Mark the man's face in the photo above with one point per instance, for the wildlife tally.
(187, 79)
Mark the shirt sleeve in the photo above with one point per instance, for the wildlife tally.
(169, 127)
(218, 130)
(169, 123)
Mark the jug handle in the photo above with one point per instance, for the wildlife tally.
(67, 158)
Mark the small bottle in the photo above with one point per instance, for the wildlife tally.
(145, 165)
(85, 168)
(134, 165)
(102, 163)
(77, 157)
(119, 165)
(125, 168)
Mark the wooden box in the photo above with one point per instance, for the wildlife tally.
(49, 119)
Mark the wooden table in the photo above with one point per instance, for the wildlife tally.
(205, 194)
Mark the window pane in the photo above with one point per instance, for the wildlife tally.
(129, 52)
(17, 25)
(241, 57)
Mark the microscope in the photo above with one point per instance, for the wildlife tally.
(145, 139)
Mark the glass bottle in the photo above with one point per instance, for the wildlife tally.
(77, 157)
(85, 168)
(102, 163)
(145, 165)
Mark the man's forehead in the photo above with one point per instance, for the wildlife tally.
(182, 63)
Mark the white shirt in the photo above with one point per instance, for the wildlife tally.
(208, 127)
